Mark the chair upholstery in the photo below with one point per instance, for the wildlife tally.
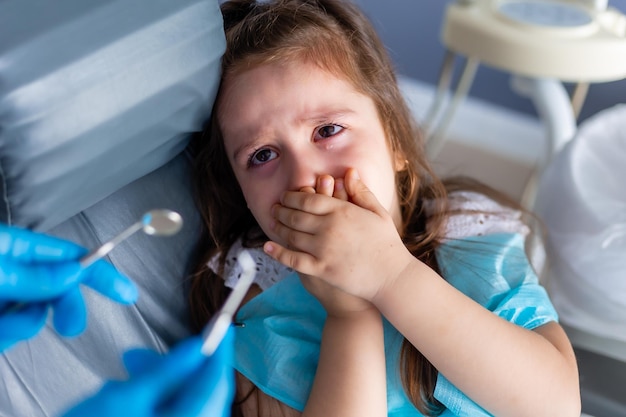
(98, 100)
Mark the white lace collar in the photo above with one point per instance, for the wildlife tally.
(268, 270)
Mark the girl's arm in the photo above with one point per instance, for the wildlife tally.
(507, 369)
(350, 379)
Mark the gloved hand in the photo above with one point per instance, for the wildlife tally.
(39, 271)
(182, 383)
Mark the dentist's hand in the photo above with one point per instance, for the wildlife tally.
(182, 383)
(39, 271)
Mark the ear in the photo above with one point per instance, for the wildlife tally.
(400, 162)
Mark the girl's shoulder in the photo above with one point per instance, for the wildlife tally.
(475, 214)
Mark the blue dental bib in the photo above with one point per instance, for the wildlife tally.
(278, 348)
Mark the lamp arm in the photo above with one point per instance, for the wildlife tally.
(553, 107)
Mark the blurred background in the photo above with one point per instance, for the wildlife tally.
(496, 135)
(411, 30)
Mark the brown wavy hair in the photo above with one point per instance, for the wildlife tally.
(336, 36)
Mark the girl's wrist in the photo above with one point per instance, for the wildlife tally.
(362, 309)
(409, 267)
(352, 317)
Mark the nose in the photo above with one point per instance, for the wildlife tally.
(306, 164)
(303, 171)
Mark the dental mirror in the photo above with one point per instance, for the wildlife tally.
(159, 222)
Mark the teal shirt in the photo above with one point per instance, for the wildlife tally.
(278, 349)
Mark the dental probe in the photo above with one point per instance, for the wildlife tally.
(217, 327)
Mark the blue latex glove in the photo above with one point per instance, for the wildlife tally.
(42, 271)
(182, 383)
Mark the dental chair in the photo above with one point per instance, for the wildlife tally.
(582, 200)
(98, 100)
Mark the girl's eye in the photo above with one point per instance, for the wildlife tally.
(328, 131)
(261, 157)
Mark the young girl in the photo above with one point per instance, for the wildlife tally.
(380, 291)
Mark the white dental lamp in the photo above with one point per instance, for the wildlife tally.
(542, 43)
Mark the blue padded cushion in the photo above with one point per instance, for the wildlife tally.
(95, 94)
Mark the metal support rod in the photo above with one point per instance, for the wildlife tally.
(436, 140)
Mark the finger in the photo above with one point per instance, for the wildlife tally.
(300, 261)
(295, 238)
(22, 324)
(339, 190)
(359, 193)
(115, 398)
(157, 378)
(325, 185)
(169, 372)
(35, 282)
(28, 246)
(319, 204)
(70, 314)
(294, 220)
(108, 281)
(210, 390)
(140, 361)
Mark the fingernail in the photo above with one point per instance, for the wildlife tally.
(268, 247)
(339, 186)
(128, 292)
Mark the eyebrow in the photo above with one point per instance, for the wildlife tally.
(326, 116)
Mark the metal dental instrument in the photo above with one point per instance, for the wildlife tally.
(216, 329)
(159, 222)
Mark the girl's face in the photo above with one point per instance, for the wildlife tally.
(285, 125)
